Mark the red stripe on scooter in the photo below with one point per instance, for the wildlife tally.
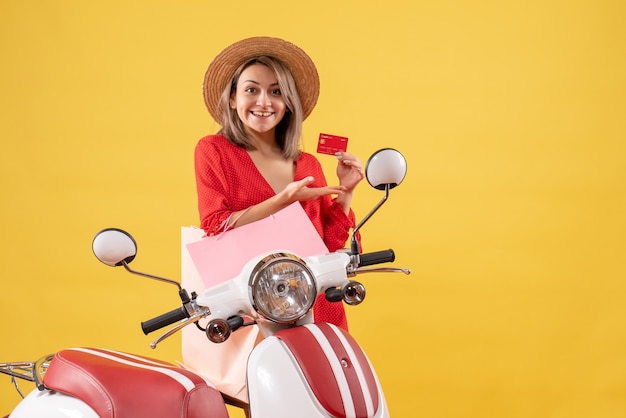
(319, 373)
(315, 366)
(356, 392)
(370, 386)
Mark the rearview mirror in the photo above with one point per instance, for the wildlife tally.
(114, 247)
(386, 167)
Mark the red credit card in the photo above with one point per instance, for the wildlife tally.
(330, 144)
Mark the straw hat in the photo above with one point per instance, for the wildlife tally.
(221, 70)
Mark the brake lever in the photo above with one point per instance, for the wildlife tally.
(382, 270)
(201, 312)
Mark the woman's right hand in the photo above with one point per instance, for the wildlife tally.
(295, 191)
(299, 190)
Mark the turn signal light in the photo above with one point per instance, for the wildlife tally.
(353, 293)
(218, 331)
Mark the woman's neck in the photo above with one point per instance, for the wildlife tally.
(264, 142)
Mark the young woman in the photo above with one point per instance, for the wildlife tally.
(260, 90)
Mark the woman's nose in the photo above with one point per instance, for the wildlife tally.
(264, 100)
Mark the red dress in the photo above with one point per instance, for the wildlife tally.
(227, 181)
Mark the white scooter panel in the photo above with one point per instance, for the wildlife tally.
(316, 370)
(52, 404)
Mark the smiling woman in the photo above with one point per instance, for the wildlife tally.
(260, 90)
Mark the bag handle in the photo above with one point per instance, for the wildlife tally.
(227, 225)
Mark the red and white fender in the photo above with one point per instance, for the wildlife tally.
(316, 370)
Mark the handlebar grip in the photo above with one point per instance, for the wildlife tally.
(163, 320)
(378, 257)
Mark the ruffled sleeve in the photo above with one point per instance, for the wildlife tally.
(212, 187)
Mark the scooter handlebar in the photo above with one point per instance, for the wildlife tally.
(377, 257)
(164, 320)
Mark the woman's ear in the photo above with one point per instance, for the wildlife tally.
(232, 101)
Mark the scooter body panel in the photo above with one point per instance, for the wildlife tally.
(313, 371)
(52, 404)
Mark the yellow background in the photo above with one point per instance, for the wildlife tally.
(512, 217)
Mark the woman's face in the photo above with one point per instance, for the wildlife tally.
(258, 99)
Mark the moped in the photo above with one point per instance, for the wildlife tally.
(299, 369)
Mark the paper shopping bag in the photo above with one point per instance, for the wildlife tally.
(222, 364)
(220, 258)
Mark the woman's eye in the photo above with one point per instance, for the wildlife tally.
(250, 90)
(276, 92)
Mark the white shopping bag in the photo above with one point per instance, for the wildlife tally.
(223, 364)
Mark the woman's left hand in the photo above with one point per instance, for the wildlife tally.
(349, 170)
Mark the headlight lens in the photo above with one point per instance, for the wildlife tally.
(282, 288)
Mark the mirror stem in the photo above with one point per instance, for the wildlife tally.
(354, 245)
(150, 276)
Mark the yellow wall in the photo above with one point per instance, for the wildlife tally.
(510, 114)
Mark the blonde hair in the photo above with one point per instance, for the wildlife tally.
(288, 130)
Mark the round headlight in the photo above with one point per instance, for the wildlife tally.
(282, 288)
